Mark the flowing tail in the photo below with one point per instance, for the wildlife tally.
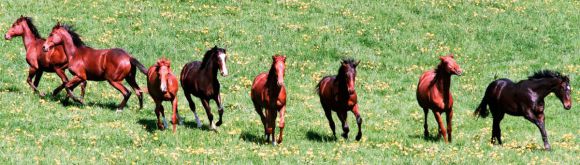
(140, 66)
(482, 110)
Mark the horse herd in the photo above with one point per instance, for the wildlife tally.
(64, 49)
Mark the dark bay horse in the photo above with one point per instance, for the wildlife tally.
(433, 93)
(525, 98)
(200, 79)
(112, 65)
(162, 86)
(269, 92)
(55, 60)
(337, 93)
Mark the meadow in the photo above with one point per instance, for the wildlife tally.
(396, 41)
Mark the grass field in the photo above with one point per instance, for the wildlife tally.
(396, 41)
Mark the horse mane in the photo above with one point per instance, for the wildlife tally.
(75, 37)
(208, 54)
(546, 74)
(163, 62)
(30, 26)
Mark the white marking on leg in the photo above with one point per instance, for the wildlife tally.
(197, 120)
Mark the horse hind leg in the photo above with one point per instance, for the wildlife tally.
(131, 80)
(496, 129)
(425, 126)
(126, 94)
(192, 107)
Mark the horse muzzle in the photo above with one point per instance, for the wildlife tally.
(45, 48)
(568, 106)
(224, 73)
(459, 72)
(7, 37)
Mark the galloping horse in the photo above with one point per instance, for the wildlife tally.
(433, 93)
(200, 79)
(337, 93)
(87, 63)
(162, 86)
(269, 91)
(525, 98)
(38, 61)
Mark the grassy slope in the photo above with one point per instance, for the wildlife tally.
(396, 42)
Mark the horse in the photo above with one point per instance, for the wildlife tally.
(269, 92)
(162, 86)
(39, 61)
(86, 63)
(337, 93)
(199, 78)
(433, 93)
(524, 98)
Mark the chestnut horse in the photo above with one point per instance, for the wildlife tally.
(162, 86)
(200, 79)
(38, 61)
(86, 63)
(525, 98)
(269, 92)
(337, 93)
(433, 93)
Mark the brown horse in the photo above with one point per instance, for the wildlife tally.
(433, 93)
(200, 79)
(525, 98)
(337, 93)
(38, 61)
(162, 86)
(86, 63)
(269, 92)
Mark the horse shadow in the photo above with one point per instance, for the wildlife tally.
(148, 124)
(429, 138)
(249, 137)
(193, 125)
(317, 137)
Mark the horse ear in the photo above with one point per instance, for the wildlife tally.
(451, 55)
(215, 47)
(442, 58)
(58, 23)
(21, 16)
(356, 63)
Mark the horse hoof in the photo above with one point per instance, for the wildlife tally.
(218, 123)
(199, 125)
(119, 110)
(41, 94)
(344, 135)
(358, 137)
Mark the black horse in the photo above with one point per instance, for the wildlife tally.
(525, 98)
(200, 79)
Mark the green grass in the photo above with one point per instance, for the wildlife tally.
(396, 42)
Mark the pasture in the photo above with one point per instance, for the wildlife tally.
(396, 41)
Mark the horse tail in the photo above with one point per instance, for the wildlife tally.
(138, 64)
(482, 110)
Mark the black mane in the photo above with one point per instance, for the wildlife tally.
(31, 26)
(546, 74)
(75, 37)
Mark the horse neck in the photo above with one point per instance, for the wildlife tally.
(543, 86)
(28, 38)
(69, 48)
(341, 80)
(210, 69)
(442, 79)
(272, 80)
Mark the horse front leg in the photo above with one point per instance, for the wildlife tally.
(281, 123)
(342, 117)
(425, 126)
(359, 121)
(271, 115)
(175, 114)
(70, 86)
(33, 73)
(442, 130)
(218, 101)
(538, 120)
(158, 109)
(62, 77)
(207, 108)
(449, 115)
(258, 109)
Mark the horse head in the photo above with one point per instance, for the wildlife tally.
(450, 65)
(563, 91)
(163, 67)
(17, 28)
(348, 71)
(278, 64)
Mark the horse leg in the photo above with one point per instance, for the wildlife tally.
(449, 115)
(538, 120)
(192, 108)
(126, 93)
(328, 114)
(358, 122)
(342, 117)
(207, 108)
(425, 126)
(271, 117)
(162, 110)
(262, 117)
(441, 126)
(496, 129)
(60, 73)
(83, 87)
(218, 101)
(131, 80)
(37, 74)
(174, 117)
(70, 86)
(158, 108)
(281, 123)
